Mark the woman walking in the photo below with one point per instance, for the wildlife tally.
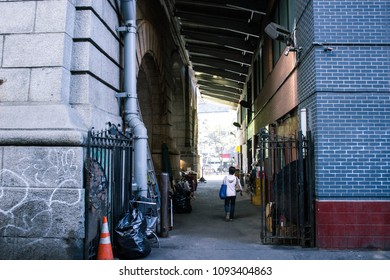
(233, 186)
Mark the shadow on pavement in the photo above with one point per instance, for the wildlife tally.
(204, 234)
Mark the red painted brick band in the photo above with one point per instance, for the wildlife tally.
(353, 224)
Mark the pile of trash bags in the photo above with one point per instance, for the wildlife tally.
(181, 198)
(132, 232)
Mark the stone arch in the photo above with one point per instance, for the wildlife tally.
(154, 97)
(149, 96)
(148, 43)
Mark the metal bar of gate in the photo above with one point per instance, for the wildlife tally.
(310, 182)
(263, 192)
(275, 186)
(301, 196)
(288, 179)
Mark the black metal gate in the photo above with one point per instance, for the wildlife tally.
(108, 180)
(286, 189)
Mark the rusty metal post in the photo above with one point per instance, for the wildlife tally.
(164, 193)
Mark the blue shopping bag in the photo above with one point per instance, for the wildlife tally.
(222, 191)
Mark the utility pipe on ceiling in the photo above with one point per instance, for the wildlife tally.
(132, 117)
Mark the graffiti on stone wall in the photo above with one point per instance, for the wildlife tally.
(36, 191)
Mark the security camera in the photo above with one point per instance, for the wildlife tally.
(279, 33)
(245, 104)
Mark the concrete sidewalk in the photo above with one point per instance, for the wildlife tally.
(204, 234)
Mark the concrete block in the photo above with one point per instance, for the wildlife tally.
(50, 84)
(103, 9)
(1, 50)
(42, 137)
(14, 84)
(81, 89)
(43, 167)
(37, 50)
(88, 25)
(96, 5)
(41, 124)
(87, 90)
(36, 212)
(55, 16)
(41, 249)
(40, 116)
(95, 117)
(83, 24)
(17, 17)
(87, 57)
(68, 52)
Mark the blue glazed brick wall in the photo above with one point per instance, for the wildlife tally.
(305, 36)
(359, 34)
(358, 21)
(353, 145)
(347, 94)
(307, 74)
(353, 68)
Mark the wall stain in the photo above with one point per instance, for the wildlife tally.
(32, 193)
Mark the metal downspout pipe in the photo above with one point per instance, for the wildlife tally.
(132, 117)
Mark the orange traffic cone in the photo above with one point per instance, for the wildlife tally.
(105, 249)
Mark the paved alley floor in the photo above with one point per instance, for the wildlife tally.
(204, 234)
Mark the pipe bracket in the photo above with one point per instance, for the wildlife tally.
(123, 28)
(122, 95)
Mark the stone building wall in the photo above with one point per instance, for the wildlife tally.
(60, 69)
(41, 171)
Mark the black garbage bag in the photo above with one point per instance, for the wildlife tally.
(181, 203)
(149, 209)
(130, 236)
(182, 188)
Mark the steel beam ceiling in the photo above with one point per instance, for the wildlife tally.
(219, 38)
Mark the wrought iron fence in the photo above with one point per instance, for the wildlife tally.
(286, 189)
(108, 182)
